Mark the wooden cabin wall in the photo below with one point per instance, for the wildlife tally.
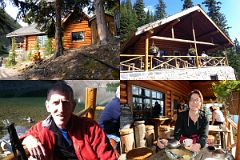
(76, 27)
(172, 89)
(30, 42)
(123, 92)
(111, 27)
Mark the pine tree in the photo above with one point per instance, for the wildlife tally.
(233, 55)
(187, 4)
(12, 54)
(215, 14)
(160, 10)
(141, 15)
(148, 17)
(128, 20)
(48, 46)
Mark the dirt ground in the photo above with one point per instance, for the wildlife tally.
(90, 62)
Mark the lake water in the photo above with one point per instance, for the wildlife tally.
(17, 108)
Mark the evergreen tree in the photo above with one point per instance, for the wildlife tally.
(48, 46)
(187, 4)
(148, 17)
(233, 55)
(237, 46)
(128, 20)
(215, 14)
(12, 54)
(160, 10)
(141, 15)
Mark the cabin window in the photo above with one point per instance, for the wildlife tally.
(42, 40)
(143, 100)
(78, 36)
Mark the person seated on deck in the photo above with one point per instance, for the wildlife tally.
(110, 120)
(63, 135)
(191, 124)
(217, 116)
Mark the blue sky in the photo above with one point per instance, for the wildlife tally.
(230, 8)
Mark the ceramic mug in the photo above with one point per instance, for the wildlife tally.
(187, 142)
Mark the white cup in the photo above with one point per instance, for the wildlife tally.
(187, 142)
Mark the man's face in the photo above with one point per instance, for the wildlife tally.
(61, 106)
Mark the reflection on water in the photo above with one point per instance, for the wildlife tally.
(18, 109)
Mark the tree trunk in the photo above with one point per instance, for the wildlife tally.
(103, 32)
(58, 33)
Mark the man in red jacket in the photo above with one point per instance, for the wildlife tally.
(63, 135)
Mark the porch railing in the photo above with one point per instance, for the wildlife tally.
(232, 127)
(131, 63)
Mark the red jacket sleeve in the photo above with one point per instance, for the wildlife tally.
(101, 143)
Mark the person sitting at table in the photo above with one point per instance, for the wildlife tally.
(191, 124)
(217, 116)
(156, 110)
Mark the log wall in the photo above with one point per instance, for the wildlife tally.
(77, 27)
(173, 90)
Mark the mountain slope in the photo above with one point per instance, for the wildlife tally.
(7, 25)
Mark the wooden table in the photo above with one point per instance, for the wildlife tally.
(222, 130)
(157, 122)
(202, 155)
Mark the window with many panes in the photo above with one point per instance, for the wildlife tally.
(143, 100)
(78, 36)
(42, 40)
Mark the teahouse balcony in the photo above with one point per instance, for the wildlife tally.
(186, 40)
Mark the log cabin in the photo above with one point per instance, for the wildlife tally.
(141, 95)
(177, 41)
(79, 30)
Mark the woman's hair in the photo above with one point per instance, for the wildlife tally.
(213, 108)
(195, 91)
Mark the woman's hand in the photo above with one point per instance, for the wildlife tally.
(162, 143)
(194, 147)
(34, 147)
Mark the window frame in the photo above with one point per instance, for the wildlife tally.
(83, 32)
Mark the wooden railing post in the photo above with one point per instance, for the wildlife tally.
(226, 59)
(146, 51)
(238, 140)
(90, 101)
(195, 44)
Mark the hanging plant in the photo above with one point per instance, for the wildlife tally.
(192, 50)
(224, 92)
(153, 49)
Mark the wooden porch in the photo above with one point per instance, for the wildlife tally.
(137, 62)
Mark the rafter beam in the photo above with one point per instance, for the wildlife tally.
(208, 34)
(181, 40)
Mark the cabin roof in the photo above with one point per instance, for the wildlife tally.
(32, 29)
(205, 29)
(29, 30)
(94, 16)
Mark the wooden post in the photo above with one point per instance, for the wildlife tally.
(195, 45)
(226, 58)
(173, 36)
(237, 157)
(146, 51)
(90, 101)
